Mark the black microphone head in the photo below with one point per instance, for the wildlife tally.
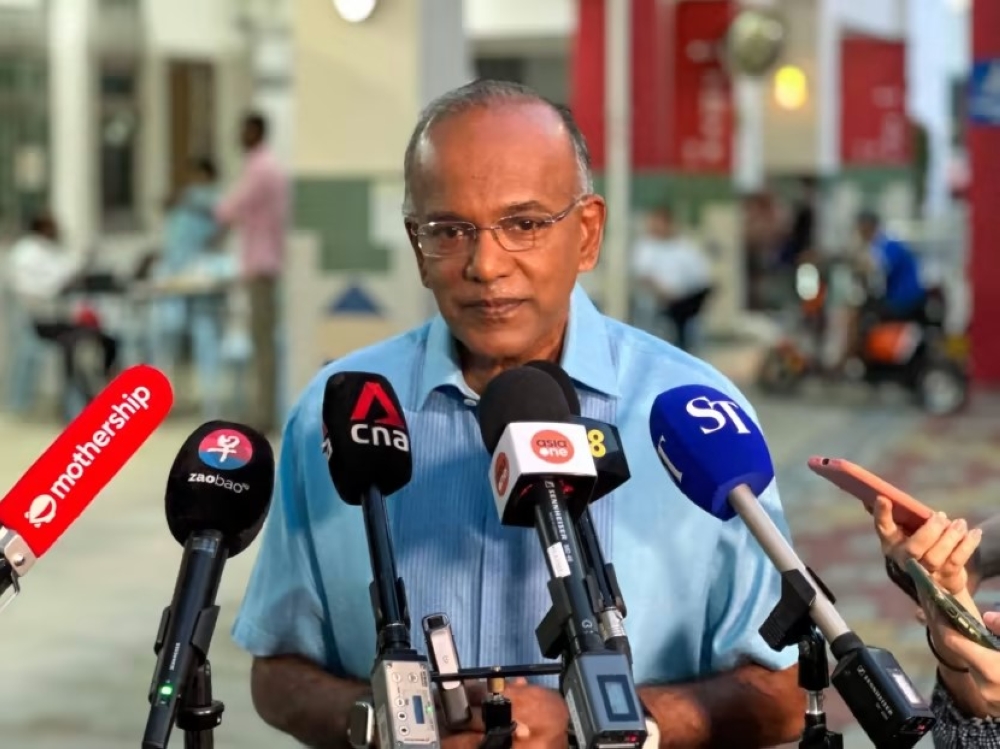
(562, 379)
(521, 394)
(221, 480)
(367, 443)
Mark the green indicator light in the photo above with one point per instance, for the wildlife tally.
(166, 690)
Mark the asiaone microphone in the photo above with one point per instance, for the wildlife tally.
(612, 472)
(74, 469)
(536, 451)
(367, 446)
(716, 455)
(218, 494)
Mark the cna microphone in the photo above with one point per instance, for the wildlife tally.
(62, 483)
(526, 425)
(612, 472)
(716, 455)
(218, 494)
(367, 445)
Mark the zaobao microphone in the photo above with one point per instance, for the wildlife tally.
(716, 455)
(81, 461)
(218, 494)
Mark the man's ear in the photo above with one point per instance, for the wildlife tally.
(411, 235)
(593, 214)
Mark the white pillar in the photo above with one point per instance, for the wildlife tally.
(73, 120)
(618, 88)
(271, 59)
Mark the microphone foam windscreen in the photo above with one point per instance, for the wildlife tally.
(367, 438)
(562, 379)
(521, 394)
(221, 480)
(709, 446)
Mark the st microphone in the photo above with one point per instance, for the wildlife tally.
(612, 472)
(716, 455)
(367, 446)
(526, 425)
(81, 461)
(218, 494)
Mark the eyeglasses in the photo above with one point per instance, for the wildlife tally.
(514, 233)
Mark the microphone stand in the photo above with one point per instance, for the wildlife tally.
(790, 624)
(198, 714)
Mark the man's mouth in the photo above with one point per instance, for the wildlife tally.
(495, 307)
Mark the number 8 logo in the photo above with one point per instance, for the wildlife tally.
(596, 439)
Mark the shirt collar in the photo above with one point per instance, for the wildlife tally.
(586, 353)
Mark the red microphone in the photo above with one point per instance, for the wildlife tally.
(61, 484)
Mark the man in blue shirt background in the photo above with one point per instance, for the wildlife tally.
(903, 294)
(502, 219)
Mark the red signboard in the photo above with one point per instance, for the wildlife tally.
(874, 129)
(703, 98)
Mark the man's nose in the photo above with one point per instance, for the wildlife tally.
(488, 261)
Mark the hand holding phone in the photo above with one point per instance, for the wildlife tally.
(908, 513)
(954, 613)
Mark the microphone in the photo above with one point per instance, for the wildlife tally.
(716, 455)
(218, 494)
(367, 446)
(536, 452)
(612, 472)
(62, 483)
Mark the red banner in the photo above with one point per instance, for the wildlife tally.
(703, 98)
(874, 129)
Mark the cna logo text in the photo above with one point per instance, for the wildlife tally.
(388, 430)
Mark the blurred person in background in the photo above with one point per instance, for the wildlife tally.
(895, 291)
(801, 239)
(190, 232)
(676, 271)
(257, 206)
(966, 697)
(40, 270)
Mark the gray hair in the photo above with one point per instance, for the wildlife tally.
(482, 93)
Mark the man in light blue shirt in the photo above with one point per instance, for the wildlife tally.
(502, 218)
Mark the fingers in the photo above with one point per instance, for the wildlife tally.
(953, 567)
(917, 545)
(888, 532)
(992, 621)
(940, 551)
(920, 616)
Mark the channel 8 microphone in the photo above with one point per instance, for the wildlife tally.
(612, 472)
(62, 483)
(218, 494)
(716, 455)
(536, 451)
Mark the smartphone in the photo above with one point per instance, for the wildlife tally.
(902, 580)
(955, 613)
(908, 512)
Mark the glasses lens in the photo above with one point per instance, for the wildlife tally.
(446, 237)
(521, 232)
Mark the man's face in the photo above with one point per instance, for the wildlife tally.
(485, 165)
(866, 231)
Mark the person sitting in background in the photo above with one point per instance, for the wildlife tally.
(966, 696)
(898, 293)
(40, 270)
(676, 271)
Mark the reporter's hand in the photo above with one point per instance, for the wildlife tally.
(541, 716)
(942, 547)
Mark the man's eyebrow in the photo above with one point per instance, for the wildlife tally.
(528, 205)
(444, 216)
(509, 209)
